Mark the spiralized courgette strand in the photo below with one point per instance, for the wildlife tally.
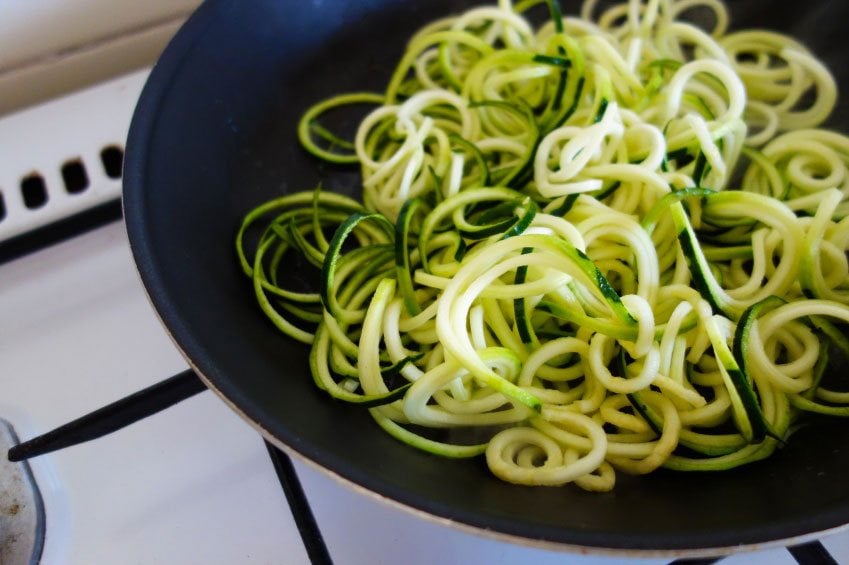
(613, 242)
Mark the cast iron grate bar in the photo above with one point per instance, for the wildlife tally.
(811, 553)
(112, 417)
(300, 507)
(60, 230)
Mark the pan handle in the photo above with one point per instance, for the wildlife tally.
(112, 417)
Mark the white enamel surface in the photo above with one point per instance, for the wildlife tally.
(41, 139)
(192, 485)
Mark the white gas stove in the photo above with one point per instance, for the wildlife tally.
(194, 483)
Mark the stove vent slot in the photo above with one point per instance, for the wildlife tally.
(75, 176)
(64, 157)
(33, 191)
(112, 158)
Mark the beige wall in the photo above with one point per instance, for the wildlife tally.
(51, 47)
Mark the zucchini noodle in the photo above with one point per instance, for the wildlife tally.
(608, 243)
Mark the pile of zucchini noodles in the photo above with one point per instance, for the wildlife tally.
(608, 242)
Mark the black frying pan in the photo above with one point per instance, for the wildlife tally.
(214, 135)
